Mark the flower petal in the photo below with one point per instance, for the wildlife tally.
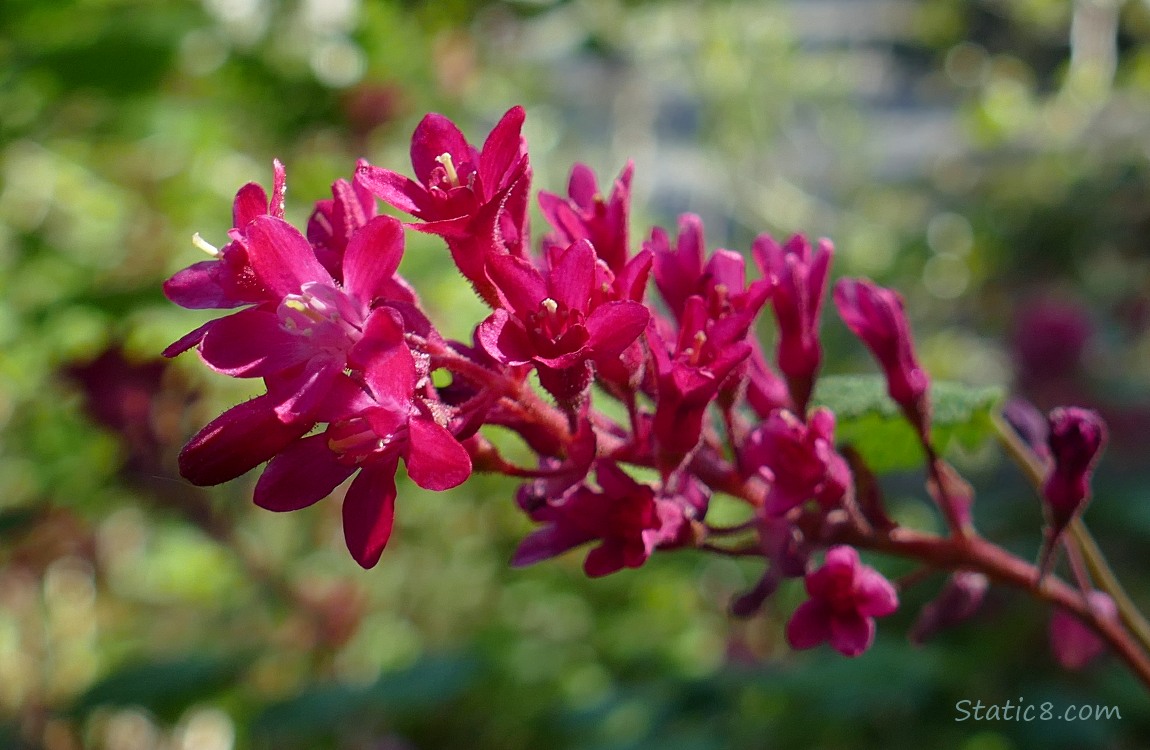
(547, 542)
(851, 633)
(393, 188)
(369, 512)
(434, 136)
(615, 325)
(875, 595)
(809, 625)
(435, 459)
(504, 338)
(372, 258)
(571, 278)
(306, 394)
(251, 343)
(236, 441)
(305, 473)
(282, 258)
(198, 287)
(382, 354)
(501, 149)
(251, 201)
(520, 283)
(605, 559)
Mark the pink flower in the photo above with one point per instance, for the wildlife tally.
(721, 281)
(798, 460)
(798, 278)
(625, 517)
(551, 323)
(476, 199)
(334, 221)
(876, 316)
(369, 431)
(690, 369)
(228, 279)
(303, 345)
(1073, 642)
(1076, 439)
(587, 215)
(845, 597)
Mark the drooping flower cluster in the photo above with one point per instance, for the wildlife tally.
(346, 352)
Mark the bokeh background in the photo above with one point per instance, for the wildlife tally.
(991, 158)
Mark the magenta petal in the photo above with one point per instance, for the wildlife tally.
(372, 258)
(369, 512)
(435, 459)
(282, 258)
(251, 343)
(434, 136)
(501, 149)
(852, 634)
(809, 626)
(572, 277)
(876, 596)
(382, 354)
(582, 185)
(197, 287)
(393, 188)
(614, 325)
(188, 340)
(547, 542)
(305, 473)
(504, 338)
(251, 201)
(310, 392)
(279, 189)
(236, 441)
(604, 560)
(521, 284)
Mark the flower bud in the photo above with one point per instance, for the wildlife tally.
(1076, 439)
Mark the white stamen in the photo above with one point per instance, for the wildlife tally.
(204, 245)
(449, 167)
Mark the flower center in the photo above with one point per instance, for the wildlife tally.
(448, 165)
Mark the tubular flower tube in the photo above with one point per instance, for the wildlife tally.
(798, 278)
(877, 317)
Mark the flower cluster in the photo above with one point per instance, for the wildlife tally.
(347, 354)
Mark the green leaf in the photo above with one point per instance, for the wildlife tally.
(166, 688)
(325, 710)
(868, 419)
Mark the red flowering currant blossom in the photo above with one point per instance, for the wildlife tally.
(228, 280)
(845, 597)
(627, 518)
(1076, 438)
(876, 315)
(335, 220)
(798, 278)
(550, 322)
(1073, 643)
(798, 461)
(690, 368)
(371, 427)
(476, 199)
(304, 343)
(587, 215)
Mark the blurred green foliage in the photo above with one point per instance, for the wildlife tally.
(980, 154)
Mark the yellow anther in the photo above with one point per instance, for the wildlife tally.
(550, 305)
(449, 167)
